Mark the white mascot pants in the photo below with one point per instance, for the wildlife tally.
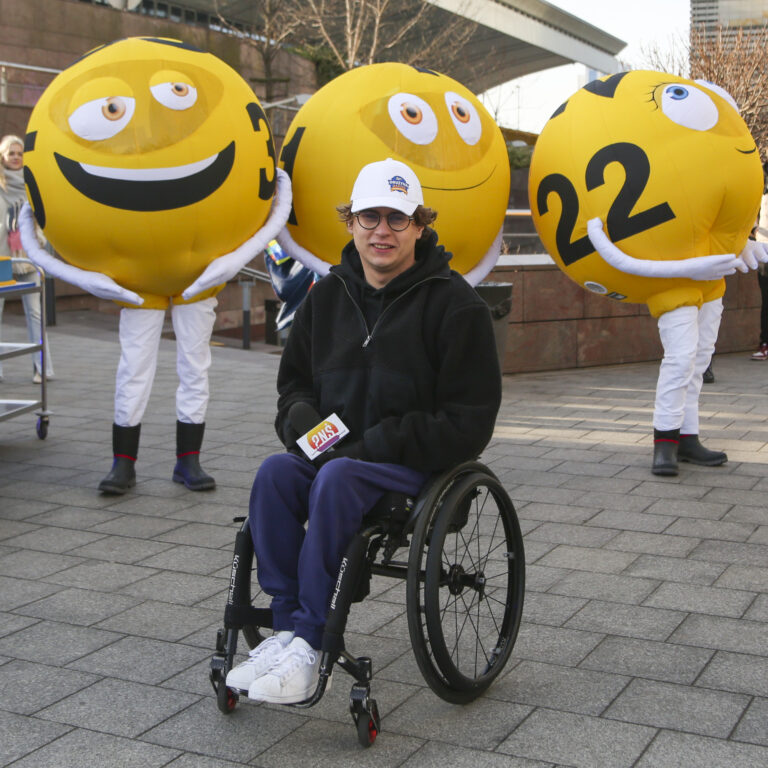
(140, 331)
(688, 335)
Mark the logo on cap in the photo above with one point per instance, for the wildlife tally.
(398, 184)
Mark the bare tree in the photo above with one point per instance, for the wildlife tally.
(366, 31)
(733, 58)
(276, 23)
(341, 34)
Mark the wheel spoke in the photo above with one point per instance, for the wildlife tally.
(478, 639)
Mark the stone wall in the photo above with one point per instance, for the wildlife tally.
(54, 33)
(556, 324)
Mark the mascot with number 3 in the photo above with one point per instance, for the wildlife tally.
(644, 187)
(151, 169)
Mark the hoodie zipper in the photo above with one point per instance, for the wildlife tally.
(369, 333)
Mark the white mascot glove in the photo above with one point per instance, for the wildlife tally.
(227, 266)
(696, 268)
(754, 253)
(93, 282)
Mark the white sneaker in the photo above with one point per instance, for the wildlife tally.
(37, 378)
(259, 660)
(292, 678)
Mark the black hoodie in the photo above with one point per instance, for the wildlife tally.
(410, 368)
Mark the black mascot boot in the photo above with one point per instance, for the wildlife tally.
(665, 446)
(189, 438)
(125, 447)
(693, 451)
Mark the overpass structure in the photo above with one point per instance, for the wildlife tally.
(513, 38)
(528, 36)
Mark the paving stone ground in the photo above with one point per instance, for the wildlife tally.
(645, 634)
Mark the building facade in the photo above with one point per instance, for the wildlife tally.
(718, 14)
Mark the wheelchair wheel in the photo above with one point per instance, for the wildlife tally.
(226, 699)
(466, 583)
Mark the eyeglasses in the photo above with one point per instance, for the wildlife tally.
(370, 220)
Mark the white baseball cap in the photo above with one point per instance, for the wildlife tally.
(387, 183)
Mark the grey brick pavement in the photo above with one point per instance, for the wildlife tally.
(645, 635)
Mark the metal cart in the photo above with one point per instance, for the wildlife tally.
(11, 408)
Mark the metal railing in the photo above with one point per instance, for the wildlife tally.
(29, 92)
(521, 241)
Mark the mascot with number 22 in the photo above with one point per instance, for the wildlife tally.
(666, 167)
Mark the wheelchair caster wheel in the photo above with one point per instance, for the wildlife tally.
(368, 725)
(226, 699)
(366, 730)
(365, 712)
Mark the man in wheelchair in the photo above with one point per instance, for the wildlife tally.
(401, 349)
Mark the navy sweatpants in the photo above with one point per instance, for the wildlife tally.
(298, 567)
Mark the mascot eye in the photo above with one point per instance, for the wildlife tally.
(689, 107)
(720, 92)
(114, 108)
(411, 113)
(460, 113)
(175, 95)
(465, 118)
(413, 117)
(102, 118)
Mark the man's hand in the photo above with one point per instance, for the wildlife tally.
(347, 450)
(696, 268)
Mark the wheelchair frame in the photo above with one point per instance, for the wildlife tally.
(458, 512)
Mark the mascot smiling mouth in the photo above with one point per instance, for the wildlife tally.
(149, 189)
(461, 189)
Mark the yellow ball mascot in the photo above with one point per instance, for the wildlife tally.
(419, 117)
(151, 169)
(666, 167)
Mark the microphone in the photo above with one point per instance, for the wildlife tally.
(316, 436)
(302, 417)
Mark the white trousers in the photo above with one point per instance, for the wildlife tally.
(688, 336)
(140, 331)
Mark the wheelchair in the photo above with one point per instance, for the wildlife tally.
(464, 572)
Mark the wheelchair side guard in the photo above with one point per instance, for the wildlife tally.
(347, 583)
(363, 708)
(437, 488)
(238, 614)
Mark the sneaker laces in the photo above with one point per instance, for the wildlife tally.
(287, 663)
(263, 647)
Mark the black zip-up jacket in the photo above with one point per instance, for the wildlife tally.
(411, 368)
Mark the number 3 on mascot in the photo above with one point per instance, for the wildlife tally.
(644, 187)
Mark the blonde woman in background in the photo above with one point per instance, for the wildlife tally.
(12, 197)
